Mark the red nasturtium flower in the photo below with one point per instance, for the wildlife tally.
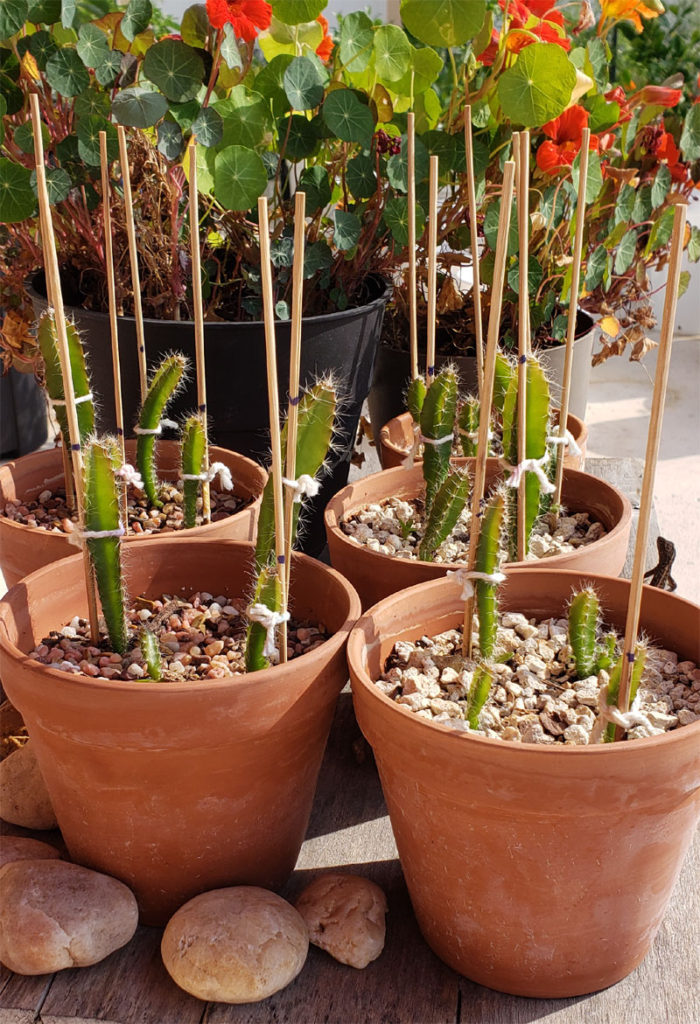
(488, 56)
(247, 17)
(665, 148)
(325, 47)
(658, 95)
(630, 10)
(564, 142)
(530, 18)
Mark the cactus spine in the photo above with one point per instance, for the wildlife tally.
(151, 654)
(445, 510)
(478, 694)
(437, 421)
(102, 515)
(268, 591)
(48, 345)
(640, 658)
(415, 397)
(487, 561)
(194, 444)
(584, 619)
(161, 389)
(468, 424)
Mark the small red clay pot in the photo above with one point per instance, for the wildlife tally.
(538, 871)
(375, 575)
(179, 788)
(26, 548)
(396, 441)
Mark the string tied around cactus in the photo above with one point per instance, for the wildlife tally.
(157, 430)
(305, 486)
(568, 439)
(130, 475)
(611, 714)
(529, 466)
(465, 577)
(78, 399)
(99, 534)
(473, 435)
(436, 441)
(216, 469)
(269, 620)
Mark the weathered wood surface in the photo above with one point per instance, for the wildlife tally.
(349, 830)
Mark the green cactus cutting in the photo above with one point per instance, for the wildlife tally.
(487, 561)
(101, 457)
(415, 397)
(640, 658)
(317, 411)
(151, 654)
(445, 510)
(161, 389)
(468, 426)
(437, 420)
(505, 371)
(268, 592)
(584, 620)
(48, 345)
(193, 450)
(479, 690)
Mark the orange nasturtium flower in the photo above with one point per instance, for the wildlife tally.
(658, 95)
(631, 10)
(325, 47)
(247, 17)
(564, 142)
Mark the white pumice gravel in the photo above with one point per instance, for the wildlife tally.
(395, 527)
(535, 697)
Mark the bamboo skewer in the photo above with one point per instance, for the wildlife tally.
(54, 290)
(133, 259)
(199, 325)
(651, 456)
(294, 372)
(473, 232)
(487, 389)
(432, 269)
(274, 406)
(111, 293)
(523, 149)
(412, 278)
(573, 308)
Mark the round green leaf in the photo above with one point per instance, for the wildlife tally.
(294, 12)
(65, 72)
(17, 200)
(348, 118)
(317, 256)
(194, 27)
(269, 83)
(170, 140)
(107, 71)
(626, 252)
(661, 231)
(58, 184)
(347, 230)
(443, 146)
(92, 46)
(246, 117)
(596, 268)
(88, 133)
(538, 87)
(397, 165)
(138, 107)
(175, 68)
(642, 205)
(396, 218)
(392, 53)
(356, 41)
(314, 182)
(12, 94)
(301, 136)
(302, 84)
(690, 136)
(46, 12)
(69, 12)
(23, 137)
(42, 46)
(534, 276)
(361, 178)
(208, 127)
(491, 227)
(660, 186)
(239, 178)
(229, 49)
(137, 18)
(443, 22)
(13, 14)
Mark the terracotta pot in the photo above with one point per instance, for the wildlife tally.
(538, 871)
(396, 441)
(179, 788)
(26, 548)
(375, 575)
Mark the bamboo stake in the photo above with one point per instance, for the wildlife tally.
(412, 278)
(199, 324)
(487, 389)
(432, 269)
(274, 406)
(523, 148)
(133, 259)
(54, 290)
(652, 453)
(294, 371)
(473, 231)
(111, 293)
(573, 307)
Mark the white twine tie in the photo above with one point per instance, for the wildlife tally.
(216, 469)
(99, 534)
(159, 429)
(305, 487)
(473, 435)
(568, 439)
(130, 475)
(436, 441)
(269, 620)
(465, 576)
(624, 719)
(76, 401)
(530, 466)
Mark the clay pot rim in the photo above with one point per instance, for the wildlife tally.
(358, 642)
(142, 686)
(334, 513)
(130, 538)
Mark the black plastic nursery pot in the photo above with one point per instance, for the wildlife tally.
(393, 368)
(343, 344)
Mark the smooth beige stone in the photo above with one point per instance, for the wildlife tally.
(18, 848)
(23, 797)
(55, 915)
(236, 945)
(345, 915)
